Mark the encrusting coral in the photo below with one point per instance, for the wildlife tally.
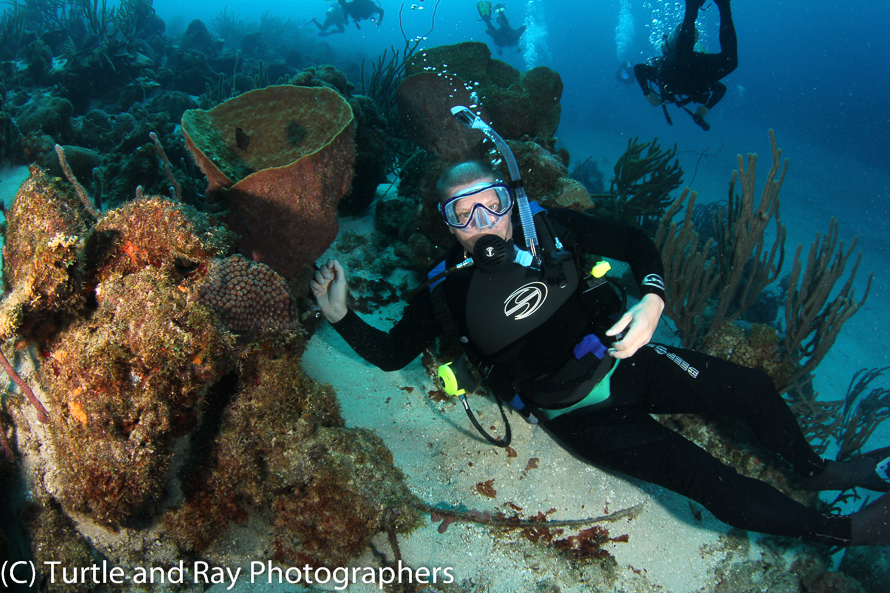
(143, 374)
(44, 226)
(282, 456)
(125, 383)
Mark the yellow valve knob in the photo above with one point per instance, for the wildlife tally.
(600, 269)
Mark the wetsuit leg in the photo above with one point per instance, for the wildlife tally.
(644, 73)
(675, 381)
(713, 67)
(729, 44)
(686, 37)
(718, 89)
(663, 457)
(669, 380)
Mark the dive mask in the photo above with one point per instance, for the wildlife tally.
(460, 212)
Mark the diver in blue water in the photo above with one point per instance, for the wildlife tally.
(557, 344)
(335, 16)
(360, 10)
(503, 35)
(682, 75)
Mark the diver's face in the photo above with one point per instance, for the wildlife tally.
(502, 225)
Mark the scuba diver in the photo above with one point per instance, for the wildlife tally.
(682, 75)
(335, 16)
(503, 35)
(550, 340)
(360, 10)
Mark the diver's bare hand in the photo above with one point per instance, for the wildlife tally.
(640, 321)
(330, 290)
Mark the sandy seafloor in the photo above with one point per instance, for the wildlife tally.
(443, 458)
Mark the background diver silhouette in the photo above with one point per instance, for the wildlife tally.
(335, 16)
(360, 10)
(503, 35)
(684, 76)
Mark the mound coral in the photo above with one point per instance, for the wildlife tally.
(247, 296)
(756, 348)
(425, 101)
(278, 159)
(128, 379)
(153, 232)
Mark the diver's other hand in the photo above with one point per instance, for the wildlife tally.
(640, 321)
(653, 99)
(329, 288)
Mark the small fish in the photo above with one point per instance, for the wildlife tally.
(242, 139)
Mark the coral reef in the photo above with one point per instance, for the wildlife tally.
(546, 177)
(164, 424)
(40, 253)
(754, 348)
(282, 178)
(371, 156)
(522, 108)
(125, 380)
(425, 100)
(125, 383)
(282, 456)
(870, 566)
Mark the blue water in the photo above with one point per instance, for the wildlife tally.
(817, 67)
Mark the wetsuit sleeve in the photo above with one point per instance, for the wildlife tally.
(617, 241)
(644, 73)
(391, 351)
(718, 89)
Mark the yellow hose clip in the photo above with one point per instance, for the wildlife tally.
(600, 269)
(448, 380)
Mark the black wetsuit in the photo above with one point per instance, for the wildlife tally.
(619, 434)
(686, 76)
(360, 10)
(503, 35)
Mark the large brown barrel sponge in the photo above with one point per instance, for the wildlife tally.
(282, 186)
